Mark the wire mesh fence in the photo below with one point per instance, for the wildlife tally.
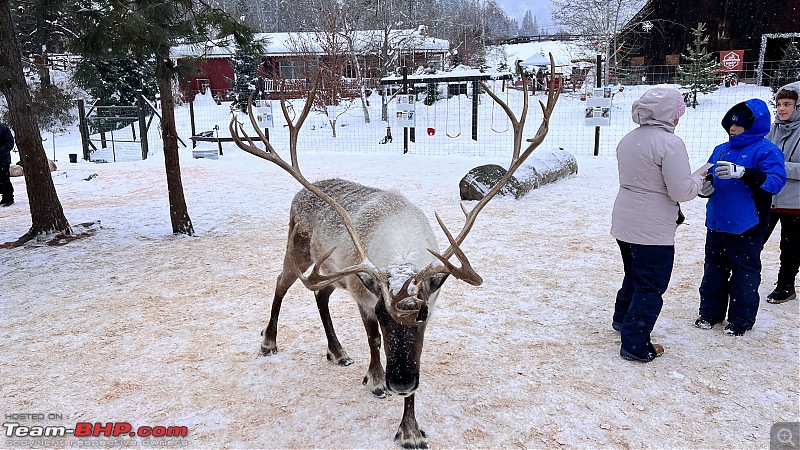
(459, 124)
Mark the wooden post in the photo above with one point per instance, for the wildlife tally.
(83, 128)
(142, 126)
(191, 112)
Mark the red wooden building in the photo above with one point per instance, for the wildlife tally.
(286, 56)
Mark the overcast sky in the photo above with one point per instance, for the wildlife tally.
(539, 8)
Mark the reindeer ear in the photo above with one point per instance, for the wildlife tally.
(370, 283)
(436, 282)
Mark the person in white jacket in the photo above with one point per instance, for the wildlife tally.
(654, 176)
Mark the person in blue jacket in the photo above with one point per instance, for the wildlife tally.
(748, 171)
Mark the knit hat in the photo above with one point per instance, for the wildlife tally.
(741, 116)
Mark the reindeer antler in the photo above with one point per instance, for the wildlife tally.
(465, 272)
(315, 280)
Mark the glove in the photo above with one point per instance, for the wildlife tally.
(706, 189)
(727, 169)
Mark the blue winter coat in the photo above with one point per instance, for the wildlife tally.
(6, 143)
(740, 205)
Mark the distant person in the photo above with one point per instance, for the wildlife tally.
(785, 133)
(654, 175)
(6, 145)
(749, 171)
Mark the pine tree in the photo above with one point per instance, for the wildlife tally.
(245, 70)
(699, 73)
(111, 29)
(788, 68)
(431, 94)
(47, 214)
(528, 26)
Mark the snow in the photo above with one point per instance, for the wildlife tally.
(137, 325)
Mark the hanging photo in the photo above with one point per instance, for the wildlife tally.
(405, 110)
(598, 108)
(263, 110)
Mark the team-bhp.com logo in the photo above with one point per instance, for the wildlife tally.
(86, 429)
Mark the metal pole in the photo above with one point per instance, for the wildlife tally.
(475, 93)
(404, 71)
(597, 84)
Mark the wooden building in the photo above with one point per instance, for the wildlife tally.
(286, 57)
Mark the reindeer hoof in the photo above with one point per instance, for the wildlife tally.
(378, 392)
(267, 351)
(343, 361)
(412, 440)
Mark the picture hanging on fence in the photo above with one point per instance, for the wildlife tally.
(405, 111)
(598, 108)
(264, 113)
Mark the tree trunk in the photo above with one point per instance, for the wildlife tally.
(179, 214)
(47, 215)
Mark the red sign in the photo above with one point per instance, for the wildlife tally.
(731, 60)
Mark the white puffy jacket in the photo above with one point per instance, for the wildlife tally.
(654, 172)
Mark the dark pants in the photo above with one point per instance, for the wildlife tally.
(732, 270)
(6, 188)
(790, 245)
(648, 269)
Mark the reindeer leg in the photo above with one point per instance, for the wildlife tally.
(269, 345)
(335, 351)
(297, 252)
(408, 434)
(375, 379)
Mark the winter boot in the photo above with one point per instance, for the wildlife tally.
(704, 323)
(782, 294)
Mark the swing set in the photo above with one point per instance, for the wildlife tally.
(457, 85)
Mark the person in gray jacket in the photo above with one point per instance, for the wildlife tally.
(654, 176)
(785, 133)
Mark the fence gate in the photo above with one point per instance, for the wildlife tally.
(101, 126)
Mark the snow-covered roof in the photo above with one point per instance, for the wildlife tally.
(281, 44)
(458, 72)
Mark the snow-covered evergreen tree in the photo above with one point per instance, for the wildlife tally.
(116, 81)
(529, 25)
(245, 70)
(698, 75)
(788, 68)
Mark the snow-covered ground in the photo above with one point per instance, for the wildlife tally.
(136, 325)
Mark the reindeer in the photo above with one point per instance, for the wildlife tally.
(381, 249)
